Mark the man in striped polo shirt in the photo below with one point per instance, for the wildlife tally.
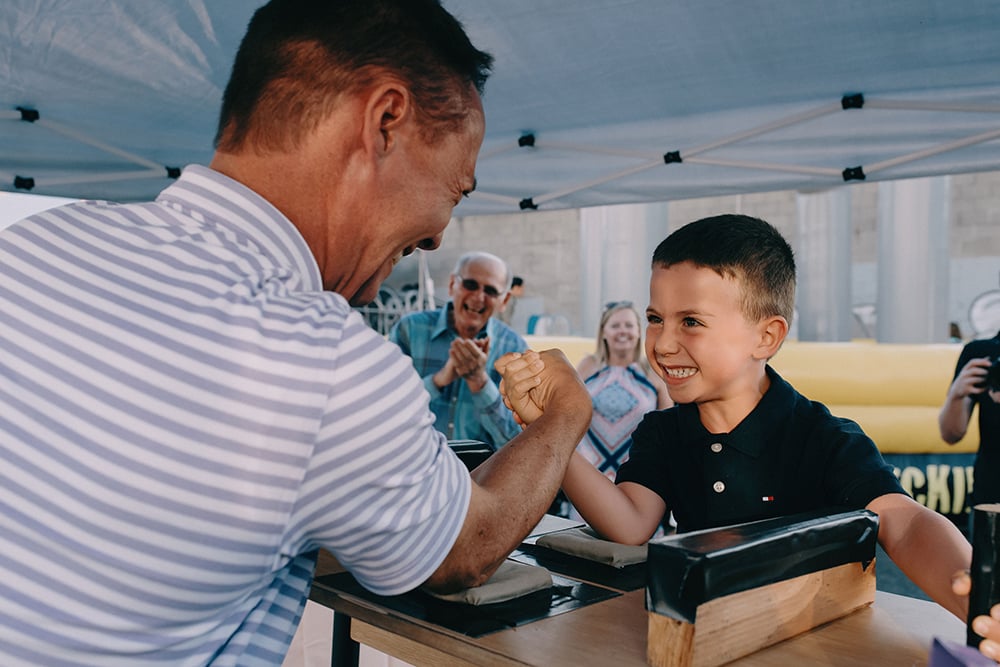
(190, 408)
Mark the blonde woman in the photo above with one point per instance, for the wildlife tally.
(622, 386)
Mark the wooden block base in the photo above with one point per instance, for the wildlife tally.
(736, 625)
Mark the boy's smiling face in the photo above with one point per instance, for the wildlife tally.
(701, 344)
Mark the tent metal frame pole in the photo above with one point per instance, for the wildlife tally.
(58, 128)
(933, 150)
(598, 150)
(788, 121)
(541, 199)
(768, 166)
(489, 196)
(899, 105)
(104, 177)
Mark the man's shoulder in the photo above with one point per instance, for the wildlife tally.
(981, 346)
(977, 349)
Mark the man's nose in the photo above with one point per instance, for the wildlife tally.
(432, 243)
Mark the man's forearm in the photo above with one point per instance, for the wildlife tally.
(953, 420)
(512, 490)
(495, 417)
(477, 380)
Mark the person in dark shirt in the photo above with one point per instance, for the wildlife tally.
(741, 444)
(969, 387)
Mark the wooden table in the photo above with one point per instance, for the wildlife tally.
(896, 630)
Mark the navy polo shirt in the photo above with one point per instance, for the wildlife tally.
(789, 455)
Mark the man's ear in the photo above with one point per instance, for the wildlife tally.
(388, 110)
(772, 334)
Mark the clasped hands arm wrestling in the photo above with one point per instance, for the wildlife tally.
(512, 489)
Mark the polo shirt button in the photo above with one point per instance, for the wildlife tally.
(716, 447)
(718, 487)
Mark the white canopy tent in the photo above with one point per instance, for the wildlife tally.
(592, 101)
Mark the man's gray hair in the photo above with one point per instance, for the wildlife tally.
(479, 256)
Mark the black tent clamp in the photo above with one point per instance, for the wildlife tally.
(29, 115)
(852, 101)
(854, 174)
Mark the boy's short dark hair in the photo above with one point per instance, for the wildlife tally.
(742, 247)
(298, 56)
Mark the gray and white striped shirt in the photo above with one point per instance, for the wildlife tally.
(185, 417)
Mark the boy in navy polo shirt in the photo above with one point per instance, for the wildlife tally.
(741, 444)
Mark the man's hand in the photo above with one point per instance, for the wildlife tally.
(971, 380)
(446, 375)
(987, 627)
(469, 358)
(953, 420)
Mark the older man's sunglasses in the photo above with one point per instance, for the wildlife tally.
(471, 285)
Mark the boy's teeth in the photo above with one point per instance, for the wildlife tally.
(680, 372)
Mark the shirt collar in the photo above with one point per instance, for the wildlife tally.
(210, 196)
(756, 430)
(441, 326)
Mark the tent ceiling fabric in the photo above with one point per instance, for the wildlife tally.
(748, 94)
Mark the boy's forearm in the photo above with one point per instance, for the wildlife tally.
(930, 550)
(602, 504)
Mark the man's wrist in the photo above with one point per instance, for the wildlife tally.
(476, 380)
(438, 380)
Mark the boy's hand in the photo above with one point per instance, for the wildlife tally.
(987, 627)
